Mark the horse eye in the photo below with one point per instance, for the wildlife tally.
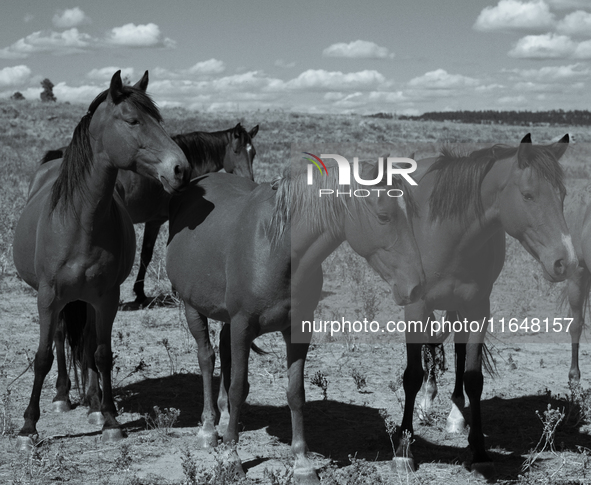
(528, 196)
(132, 122)
(383, 218)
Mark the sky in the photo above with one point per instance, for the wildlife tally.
(323, 56)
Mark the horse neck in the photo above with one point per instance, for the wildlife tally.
(94, 203)
(310, 246)
(493, 185)
(203, 155)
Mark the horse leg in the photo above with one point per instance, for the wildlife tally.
(93, 395)
(429, 388)
(455, 421)
(473, 383)
(151, 230)
(412, 381)
(106, 309)
(241, 339)
(198, 325)
(61, 401)
(225, 368)
(577, 291)
(48, 318)
(304, 472)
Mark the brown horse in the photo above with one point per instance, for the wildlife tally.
(466, 205)
(262, 251)
(74, 241)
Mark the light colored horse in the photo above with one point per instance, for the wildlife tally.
(466, 205)
(251, 256)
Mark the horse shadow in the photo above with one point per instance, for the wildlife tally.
(338, 430)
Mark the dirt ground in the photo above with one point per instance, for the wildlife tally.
(156, 365)
(156, 358)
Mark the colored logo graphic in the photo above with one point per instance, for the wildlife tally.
(315, 160)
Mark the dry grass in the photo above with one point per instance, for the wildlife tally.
(28, 128)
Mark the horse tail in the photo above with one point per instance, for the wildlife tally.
(53, 155)
(75, 315)
(258, 350)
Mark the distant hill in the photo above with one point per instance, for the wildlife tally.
(519, 118)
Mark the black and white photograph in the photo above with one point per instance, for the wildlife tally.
(315, 242)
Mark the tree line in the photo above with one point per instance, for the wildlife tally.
(520, 118)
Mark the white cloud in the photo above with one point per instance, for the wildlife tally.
(546, 46)
(284, 64)
(568, 4)
(575, 23)
(106, 73)
(387, 96)
(71, 17)
(72, 41)
(212, 66)
(131, 35)
(321, 80)
(513, 100)
(359, 49)
(583, 50)
(441, 79)
(555, 73)
(515, 15)
(76, 94)
(13, 76)
(67, 42)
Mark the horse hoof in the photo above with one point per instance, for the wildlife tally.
(484, 470)
(24, 443)
(207, 439)
(455, 426)
(96, 418)
(112, 434)
(403, 465)
(61, 406)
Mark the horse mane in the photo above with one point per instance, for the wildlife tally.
(77, 158)
(295, 196)
(201, 147)
(460, 176)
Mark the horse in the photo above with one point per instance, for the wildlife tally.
(147, 202)
(466, 204)
(74, 241)
(261, 247)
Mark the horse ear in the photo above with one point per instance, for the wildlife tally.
(237, 130)
(525, 147)
(560, 146)
(142, 84)
(412, 155)
(116, 87)
(252, 133)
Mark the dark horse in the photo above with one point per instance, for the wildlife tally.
(74, 242)
(262, 251)
(466, 205)
(146, 200)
